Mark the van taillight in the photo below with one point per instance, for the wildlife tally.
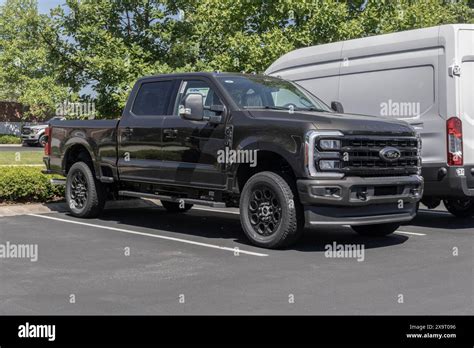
(47, 147)
(454, 133)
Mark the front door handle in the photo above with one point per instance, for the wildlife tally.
(170, 133)
(128, 131)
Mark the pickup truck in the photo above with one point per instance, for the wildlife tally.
(260, 143)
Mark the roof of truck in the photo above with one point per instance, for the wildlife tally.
(376, 44)
(204, 73)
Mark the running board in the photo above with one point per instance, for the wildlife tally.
(60, 182)
(172, 199)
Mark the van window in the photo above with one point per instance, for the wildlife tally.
(153, 98)
(393, 93)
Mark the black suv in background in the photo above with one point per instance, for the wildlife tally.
(255, 142)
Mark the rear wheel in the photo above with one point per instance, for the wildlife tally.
(175, 207)
(378, 230)
(460, 208)
(270, 213)
(85, 195)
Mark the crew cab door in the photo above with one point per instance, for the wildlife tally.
(190, 148)
(139, 132)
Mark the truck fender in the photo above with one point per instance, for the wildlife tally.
(89, 148)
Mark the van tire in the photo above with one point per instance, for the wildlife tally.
(267, 216)
(81, 182)
(461, 208)
(173, 207)
(378, 230)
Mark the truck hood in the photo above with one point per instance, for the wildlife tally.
(345, 123)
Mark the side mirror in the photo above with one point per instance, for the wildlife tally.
(337, 106)
(193, 108)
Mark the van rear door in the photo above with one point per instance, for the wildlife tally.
(466, 92)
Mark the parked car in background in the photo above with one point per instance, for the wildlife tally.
(255, 142)
(34, 135)
(425, 77)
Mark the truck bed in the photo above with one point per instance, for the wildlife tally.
(99, 137)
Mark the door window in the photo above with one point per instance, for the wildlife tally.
(153, 98)
(209, 96)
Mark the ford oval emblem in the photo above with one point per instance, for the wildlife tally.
(390, 154)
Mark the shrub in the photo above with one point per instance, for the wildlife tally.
(9, 139)
(27, 184)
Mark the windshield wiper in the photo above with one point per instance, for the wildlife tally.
(311, 109)
(268, 107)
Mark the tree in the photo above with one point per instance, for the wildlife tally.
(27, 75)
(110, 43)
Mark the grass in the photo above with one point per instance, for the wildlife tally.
(21, 157)
(9, 139)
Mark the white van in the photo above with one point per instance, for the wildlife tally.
(424, 76)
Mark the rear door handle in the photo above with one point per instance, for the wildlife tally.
(170, 133)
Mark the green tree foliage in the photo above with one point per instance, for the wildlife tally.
(110, 43)
(26, 74)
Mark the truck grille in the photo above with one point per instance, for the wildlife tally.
(360, 156)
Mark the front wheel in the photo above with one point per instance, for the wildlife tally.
(85, 195)
(43, 140)
(378, 230)
(270, 212)
(461, 208)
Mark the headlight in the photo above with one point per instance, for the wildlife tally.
(330, 144)
(35, 130)
(329, 164)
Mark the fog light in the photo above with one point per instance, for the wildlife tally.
(329, 164)
(326, 191)
(329, 144)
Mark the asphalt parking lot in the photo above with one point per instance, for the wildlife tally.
(149, 261)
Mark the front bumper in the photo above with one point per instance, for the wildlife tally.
(30, 138)
(360, 201)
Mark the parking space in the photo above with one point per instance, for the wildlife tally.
(149, 261)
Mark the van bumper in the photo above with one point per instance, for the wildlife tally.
(360, 201)
(445, 182)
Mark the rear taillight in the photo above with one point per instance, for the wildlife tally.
(454, 133)
(47, 147)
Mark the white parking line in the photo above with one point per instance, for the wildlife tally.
(411, 233)
(234, 250)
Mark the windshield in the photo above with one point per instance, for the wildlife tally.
(265, 92)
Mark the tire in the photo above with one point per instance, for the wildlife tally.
(268, 217)
(85, 195)
(42, 141)
(378, 230)
(173, 207)
(461, 208)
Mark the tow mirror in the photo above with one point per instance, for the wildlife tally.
(193, 107)
(337, 106)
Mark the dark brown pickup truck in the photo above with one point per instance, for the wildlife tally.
(260, 143)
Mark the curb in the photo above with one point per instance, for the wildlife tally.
(61, 207)
(11, 145)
